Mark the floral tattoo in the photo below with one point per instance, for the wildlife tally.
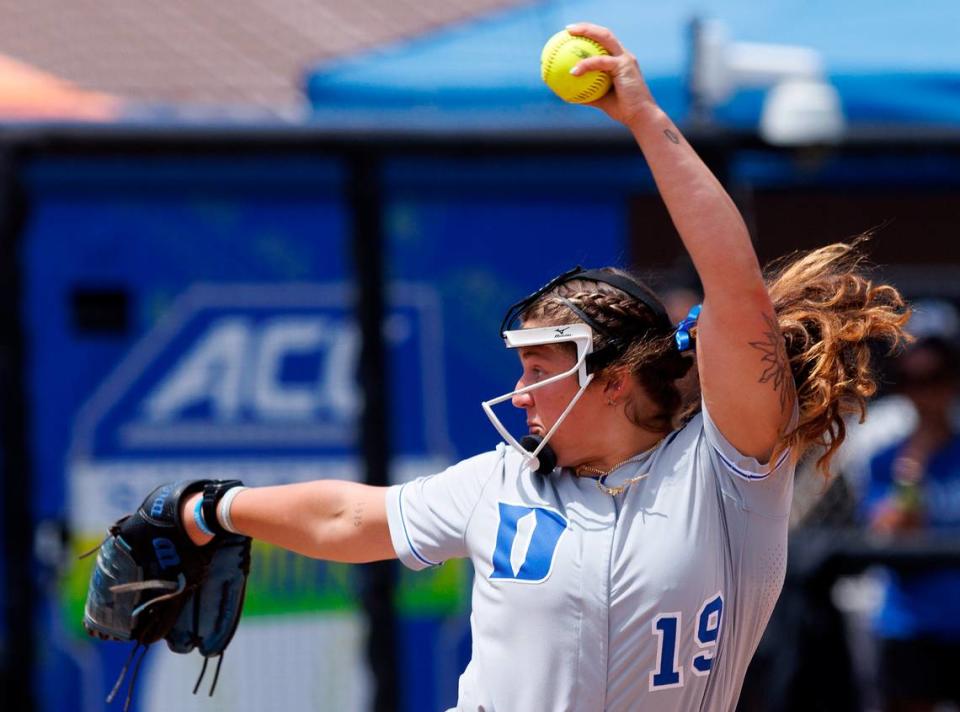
(775, 365)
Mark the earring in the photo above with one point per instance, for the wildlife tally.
(610, 401)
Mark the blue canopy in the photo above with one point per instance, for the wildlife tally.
(895, 64)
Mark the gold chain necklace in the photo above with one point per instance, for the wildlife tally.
(601, 480)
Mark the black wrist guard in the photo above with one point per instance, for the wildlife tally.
(213, 492)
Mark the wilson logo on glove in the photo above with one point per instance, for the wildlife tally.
(157, 509)
(167, 555)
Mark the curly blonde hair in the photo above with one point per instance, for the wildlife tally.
(833, 319)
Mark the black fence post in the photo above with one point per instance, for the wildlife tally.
(16, 523)
(366, 206)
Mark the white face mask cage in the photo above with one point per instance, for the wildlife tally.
(582, 335)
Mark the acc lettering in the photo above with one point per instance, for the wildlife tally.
(236, 370)
(166, 552)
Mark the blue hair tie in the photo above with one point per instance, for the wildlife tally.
(683, 337)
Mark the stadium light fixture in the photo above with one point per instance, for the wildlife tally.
(800, 106)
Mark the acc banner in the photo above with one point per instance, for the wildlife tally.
(259, 382)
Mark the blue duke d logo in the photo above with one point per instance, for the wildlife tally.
(527, 540)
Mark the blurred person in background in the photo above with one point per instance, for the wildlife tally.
(830, 623)
(914, 487)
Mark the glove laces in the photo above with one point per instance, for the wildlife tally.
(133, 678)
(216, 675)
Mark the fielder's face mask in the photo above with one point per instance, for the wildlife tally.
(540, 457)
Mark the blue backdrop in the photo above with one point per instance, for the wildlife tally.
(238, 357)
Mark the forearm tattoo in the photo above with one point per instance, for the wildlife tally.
(358, 514)
(671, 135)
(776, 367)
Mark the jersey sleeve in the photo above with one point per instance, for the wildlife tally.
(764, 488)
(428, 517)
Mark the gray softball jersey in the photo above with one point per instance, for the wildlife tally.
(654, 599)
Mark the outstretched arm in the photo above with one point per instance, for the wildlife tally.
(326, 519)
(744, 372)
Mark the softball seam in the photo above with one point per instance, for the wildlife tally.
(594, 86)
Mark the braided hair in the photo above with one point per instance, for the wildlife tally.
(652, 359)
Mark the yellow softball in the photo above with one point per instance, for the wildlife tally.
(562, 53)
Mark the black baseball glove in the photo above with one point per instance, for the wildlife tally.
(151, 582)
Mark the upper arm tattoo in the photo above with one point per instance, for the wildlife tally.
(776, 367)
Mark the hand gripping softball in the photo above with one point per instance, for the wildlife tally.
(151, 582)
(563, 52)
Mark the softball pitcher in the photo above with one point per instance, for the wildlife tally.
(628, 550)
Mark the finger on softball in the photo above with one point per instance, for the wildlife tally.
(600, 34)
(600, 63)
